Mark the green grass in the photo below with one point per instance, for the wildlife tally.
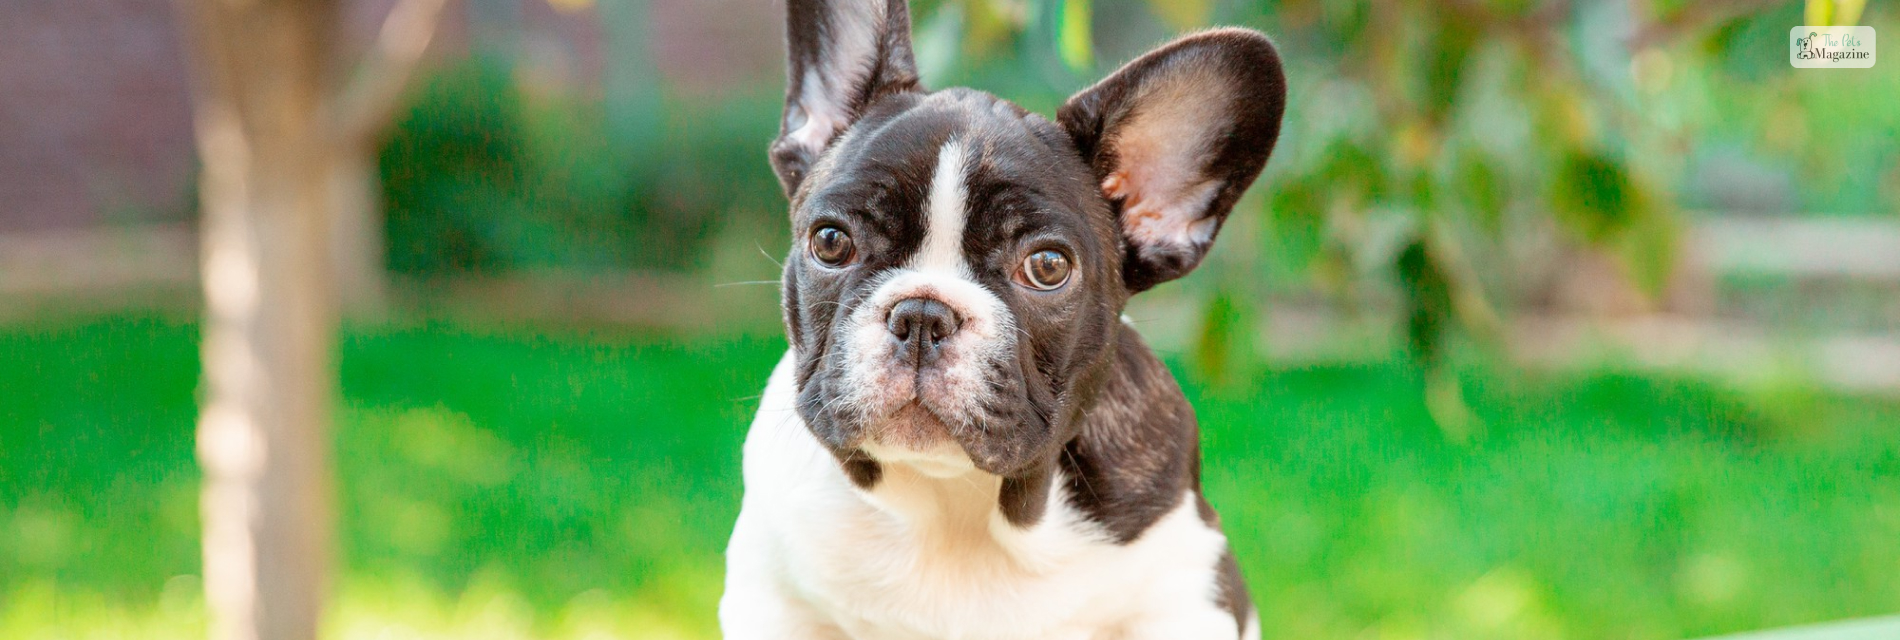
(509, 483)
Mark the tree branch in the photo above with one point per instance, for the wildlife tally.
(368, 102)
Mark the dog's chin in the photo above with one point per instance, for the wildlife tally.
(914, 436)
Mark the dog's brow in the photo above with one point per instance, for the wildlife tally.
(947, 210)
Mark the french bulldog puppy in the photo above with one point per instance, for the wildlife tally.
(965, 439)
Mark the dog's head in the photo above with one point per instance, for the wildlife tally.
(959, 264)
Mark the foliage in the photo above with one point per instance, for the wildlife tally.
(1441, 160)
(1428, 144)
(1498, 138)
(452, 172)
(507, 484)
(482, 176)
(1478, 127)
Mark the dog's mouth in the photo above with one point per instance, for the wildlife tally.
(912, 426)
(916, 435)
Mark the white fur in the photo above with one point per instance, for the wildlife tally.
(919, 556)
(942, 250)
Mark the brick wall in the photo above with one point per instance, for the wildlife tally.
(95, 123)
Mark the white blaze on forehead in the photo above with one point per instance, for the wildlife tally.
(945, 213)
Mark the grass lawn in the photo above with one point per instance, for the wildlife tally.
(513, 484)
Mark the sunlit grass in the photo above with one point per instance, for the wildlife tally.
(398, 609)
(520, 484)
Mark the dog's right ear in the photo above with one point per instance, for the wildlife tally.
(844, 55)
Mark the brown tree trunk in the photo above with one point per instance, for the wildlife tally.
(356, 230)
(260, 81)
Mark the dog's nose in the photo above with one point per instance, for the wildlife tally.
(920, 326)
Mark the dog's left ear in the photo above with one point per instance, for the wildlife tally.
(1174, 138)
(842, 56)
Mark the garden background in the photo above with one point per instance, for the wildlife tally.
(1548, 319)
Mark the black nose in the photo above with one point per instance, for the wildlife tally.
(920, 326)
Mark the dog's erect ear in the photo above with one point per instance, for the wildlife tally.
(844, 55)
(1174, 138)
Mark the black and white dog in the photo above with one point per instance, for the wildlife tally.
(966, 440)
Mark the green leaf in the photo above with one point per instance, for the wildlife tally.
(989, 26)
(1428, 302)
(1445, 61)
(1183, 14)
(1512, 8)
(1663, 10)
(1073, 36)
(1650, 251)
(1423, 191)
(1478, 184)
(1350, 168)
(1819, 13)
(1828, 13)
(1224, 343)
(1595, 196)
(1847, 12)
(1607, 206)
(1296, 214)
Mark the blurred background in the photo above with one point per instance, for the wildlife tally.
(1547, 319)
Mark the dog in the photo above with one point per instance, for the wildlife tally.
(966, 439)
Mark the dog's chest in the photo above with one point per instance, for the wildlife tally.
(960, 571)
(922, 557)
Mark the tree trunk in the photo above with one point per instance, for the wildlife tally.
(356, 230)
(260, 80)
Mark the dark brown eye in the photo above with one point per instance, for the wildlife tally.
(1046, 270)
(832, 246)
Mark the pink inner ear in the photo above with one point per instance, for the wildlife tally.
(1164, 213)
(1160, 161)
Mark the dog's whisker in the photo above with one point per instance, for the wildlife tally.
(1079, 475)
(768, 255)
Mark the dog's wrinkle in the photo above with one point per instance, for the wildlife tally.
(1068, 451)
(1024, 498)
(817, 409)
(824, 357)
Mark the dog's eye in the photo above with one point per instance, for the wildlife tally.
(1045, 270)
(832, 246)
